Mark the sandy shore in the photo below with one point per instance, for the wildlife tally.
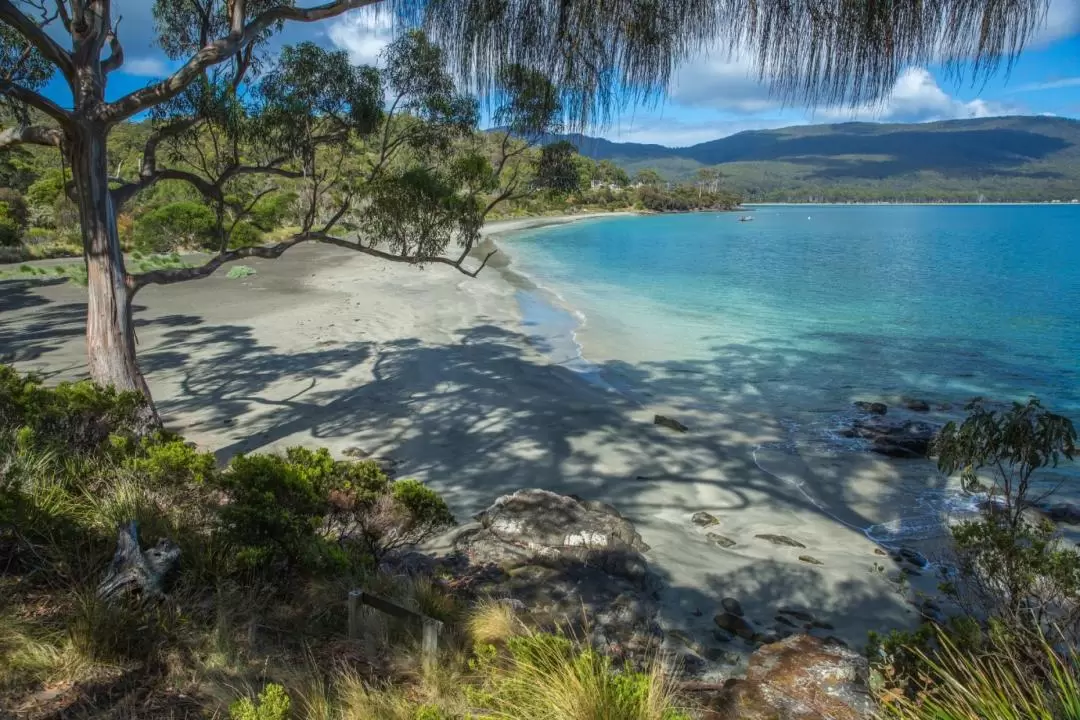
(435, 369)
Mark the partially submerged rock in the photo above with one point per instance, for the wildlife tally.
(136, 573)
(899, 439)
(1068, 513)
(721, 540)
(874, 408)
(735, 624)
(916, 405)
(798, 678)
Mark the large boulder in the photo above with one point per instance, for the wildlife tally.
(899, 439)
(798, 678)
(568, 562)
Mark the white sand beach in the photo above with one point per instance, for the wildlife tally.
(434, 369)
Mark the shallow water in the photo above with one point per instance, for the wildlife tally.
(808, 308)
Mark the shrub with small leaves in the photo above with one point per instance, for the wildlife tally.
(273, 704)
(240, 271)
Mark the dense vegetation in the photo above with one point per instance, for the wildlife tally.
(991, 159)
(251, 623)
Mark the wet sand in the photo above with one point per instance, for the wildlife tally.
(436, 370)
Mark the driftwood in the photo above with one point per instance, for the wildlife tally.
(138, 573)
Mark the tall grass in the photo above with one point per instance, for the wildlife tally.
(992, 684)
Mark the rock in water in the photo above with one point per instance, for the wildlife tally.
(798, 678)
(135, 573)
(895, 439)
(874, 408)
(916, 405)
(734, 624)
(1068, 513)
(671, 423)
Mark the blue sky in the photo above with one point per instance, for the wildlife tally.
(713, 95)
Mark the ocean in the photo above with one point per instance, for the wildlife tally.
(806, 309)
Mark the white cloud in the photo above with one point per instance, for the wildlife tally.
(1048, 85)
(1062, 21)
(917, 97)
(153, 67)
(362, 33)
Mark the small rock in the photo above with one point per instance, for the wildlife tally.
(810, 559)
(911, 571)
(703, 519)
(1068, 513)
(670, 423)
(720, 540)
(732, 606)
(766, 638)
(916, 405)
(780, 540)
(879, 551)
(800, 615)
(821, 625)
(914, 557)
(833, 640)
(784, 621)
(874, 408)
(722, 635)
(734, 624)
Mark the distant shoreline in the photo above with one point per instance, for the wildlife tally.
(889, 204)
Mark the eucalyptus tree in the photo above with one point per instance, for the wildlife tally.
(598, 54)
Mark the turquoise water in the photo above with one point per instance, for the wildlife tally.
(819, 305)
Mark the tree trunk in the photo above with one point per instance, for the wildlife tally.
(110, 331)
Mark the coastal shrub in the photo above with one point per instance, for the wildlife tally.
(276, 505)
(245, 234)
(72, 417)
(273, 703)
(184, 224)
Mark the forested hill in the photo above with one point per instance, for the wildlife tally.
(1007, 158)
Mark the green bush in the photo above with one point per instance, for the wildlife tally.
(245, 234)
(72, 417)
(273, 704)
(10, 233)
(183, 224)
(44, 191)
(269, 212)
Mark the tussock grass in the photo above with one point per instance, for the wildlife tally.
(240, 271)
(493, 622)
(991, 684)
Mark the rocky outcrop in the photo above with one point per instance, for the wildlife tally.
(899, 439)
(568, 562)
(798, 678)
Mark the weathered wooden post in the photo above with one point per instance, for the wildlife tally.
(431, 627)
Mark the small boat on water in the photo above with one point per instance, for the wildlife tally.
(746, 218)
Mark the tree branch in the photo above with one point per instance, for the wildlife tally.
(168, 276)
(30, 135)
(34, 34)
(218, 51)
(116, 50)
(34, 100)
(126, 191)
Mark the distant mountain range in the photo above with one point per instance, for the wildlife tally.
(1006, 158)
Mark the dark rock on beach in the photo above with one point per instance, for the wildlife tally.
(780, 540)
(718, 539)
(810, 559)
(732, 606)
(703, 519)
(733, 623)
(1068, 513)
(670, 423)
